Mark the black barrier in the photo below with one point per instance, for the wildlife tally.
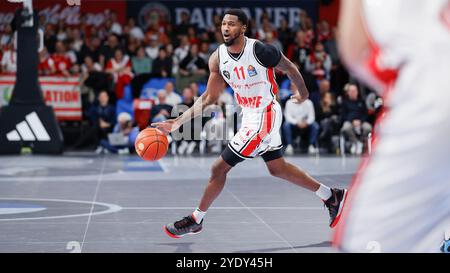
(27, 121)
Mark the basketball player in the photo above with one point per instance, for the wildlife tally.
(400, 199)
(248, 66)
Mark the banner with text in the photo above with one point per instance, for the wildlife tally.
(202, 12)
(62, 93)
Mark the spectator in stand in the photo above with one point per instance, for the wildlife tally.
(192, 36)
(102, 116)
(328, 117)
(50, 38)
(142, 68)
(180, 53)
(319, 62)
(184, 25)
(120, 68)
(195, 89)
(93, 80)
(141, 63)
(91, 48)
(300, 119)
(162, 110)
(63, 63)
(125, 127)
(6, 37)
(323, 31)
(46, 64)
(187, 145)
(116, 27)
(192, 68)
(204, 51)
(172, 98)
(135, 31)
(354, 115)
(272, 40)
(162, 65)
(108, 50)
(9, 60)
(300, 51)
(285, 34)
(153, 48)
(61, 30)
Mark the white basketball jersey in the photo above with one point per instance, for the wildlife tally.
(254, 85)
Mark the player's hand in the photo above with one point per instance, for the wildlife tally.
(167, 126)
(298, 99)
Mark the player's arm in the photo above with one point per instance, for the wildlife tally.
(288, 67)
(213, 89)
(354, 42)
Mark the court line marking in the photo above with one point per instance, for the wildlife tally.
(99, 181)
(260, 219)
(111, 208)
(224, 208)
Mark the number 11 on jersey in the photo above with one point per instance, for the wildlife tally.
(241, 69)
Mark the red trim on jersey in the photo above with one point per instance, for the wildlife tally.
(273, 83)
(388, 77)
(266, 128)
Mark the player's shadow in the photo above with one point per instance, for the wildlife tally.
(322, 244)
(180, 247)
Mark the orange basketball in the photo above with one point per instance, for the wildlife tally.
(151, 144)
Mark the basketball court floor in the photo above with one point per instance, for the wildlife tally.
(82, 202)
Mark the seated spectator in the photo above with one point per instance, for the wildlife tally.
(180, 53)
(63, 63)
(102, 117)
(120, 68)
(354, 114)
(162, 65)
(152, 49)
(141, 63)
(46, 64)
(172, 98)
(192, 68)
(319, 62)
(91, 49)
(93, 80)
(135, 31)
(300, 119)
(161, 111)
(188, 143)
(125, 128)
(327, 116)
(107, 52)
(9, 60)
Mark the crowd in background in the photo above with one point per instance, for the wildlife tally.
(116, 61)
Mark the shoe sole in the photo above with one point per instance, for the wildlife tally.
(341, 206)
(179, 236)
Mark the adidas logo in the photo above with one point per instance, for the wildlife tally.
(31, 129)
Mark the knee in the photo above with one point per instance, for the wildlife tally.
(276, 171)
(218, 171)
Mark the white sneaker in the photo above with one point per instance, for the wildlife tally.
(359, 147)
(99, 150)
(311, 150)
(124, 151)
(183, 147)
(289, 150)
(191, 147)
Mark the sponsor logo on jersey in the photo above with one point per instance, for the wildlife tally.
(226, 74)
(251, 71)
(251, 102)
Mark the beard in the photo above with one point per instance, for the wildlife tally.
(231, 41)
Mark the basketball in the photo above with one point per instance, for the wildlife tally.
(151, 144)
